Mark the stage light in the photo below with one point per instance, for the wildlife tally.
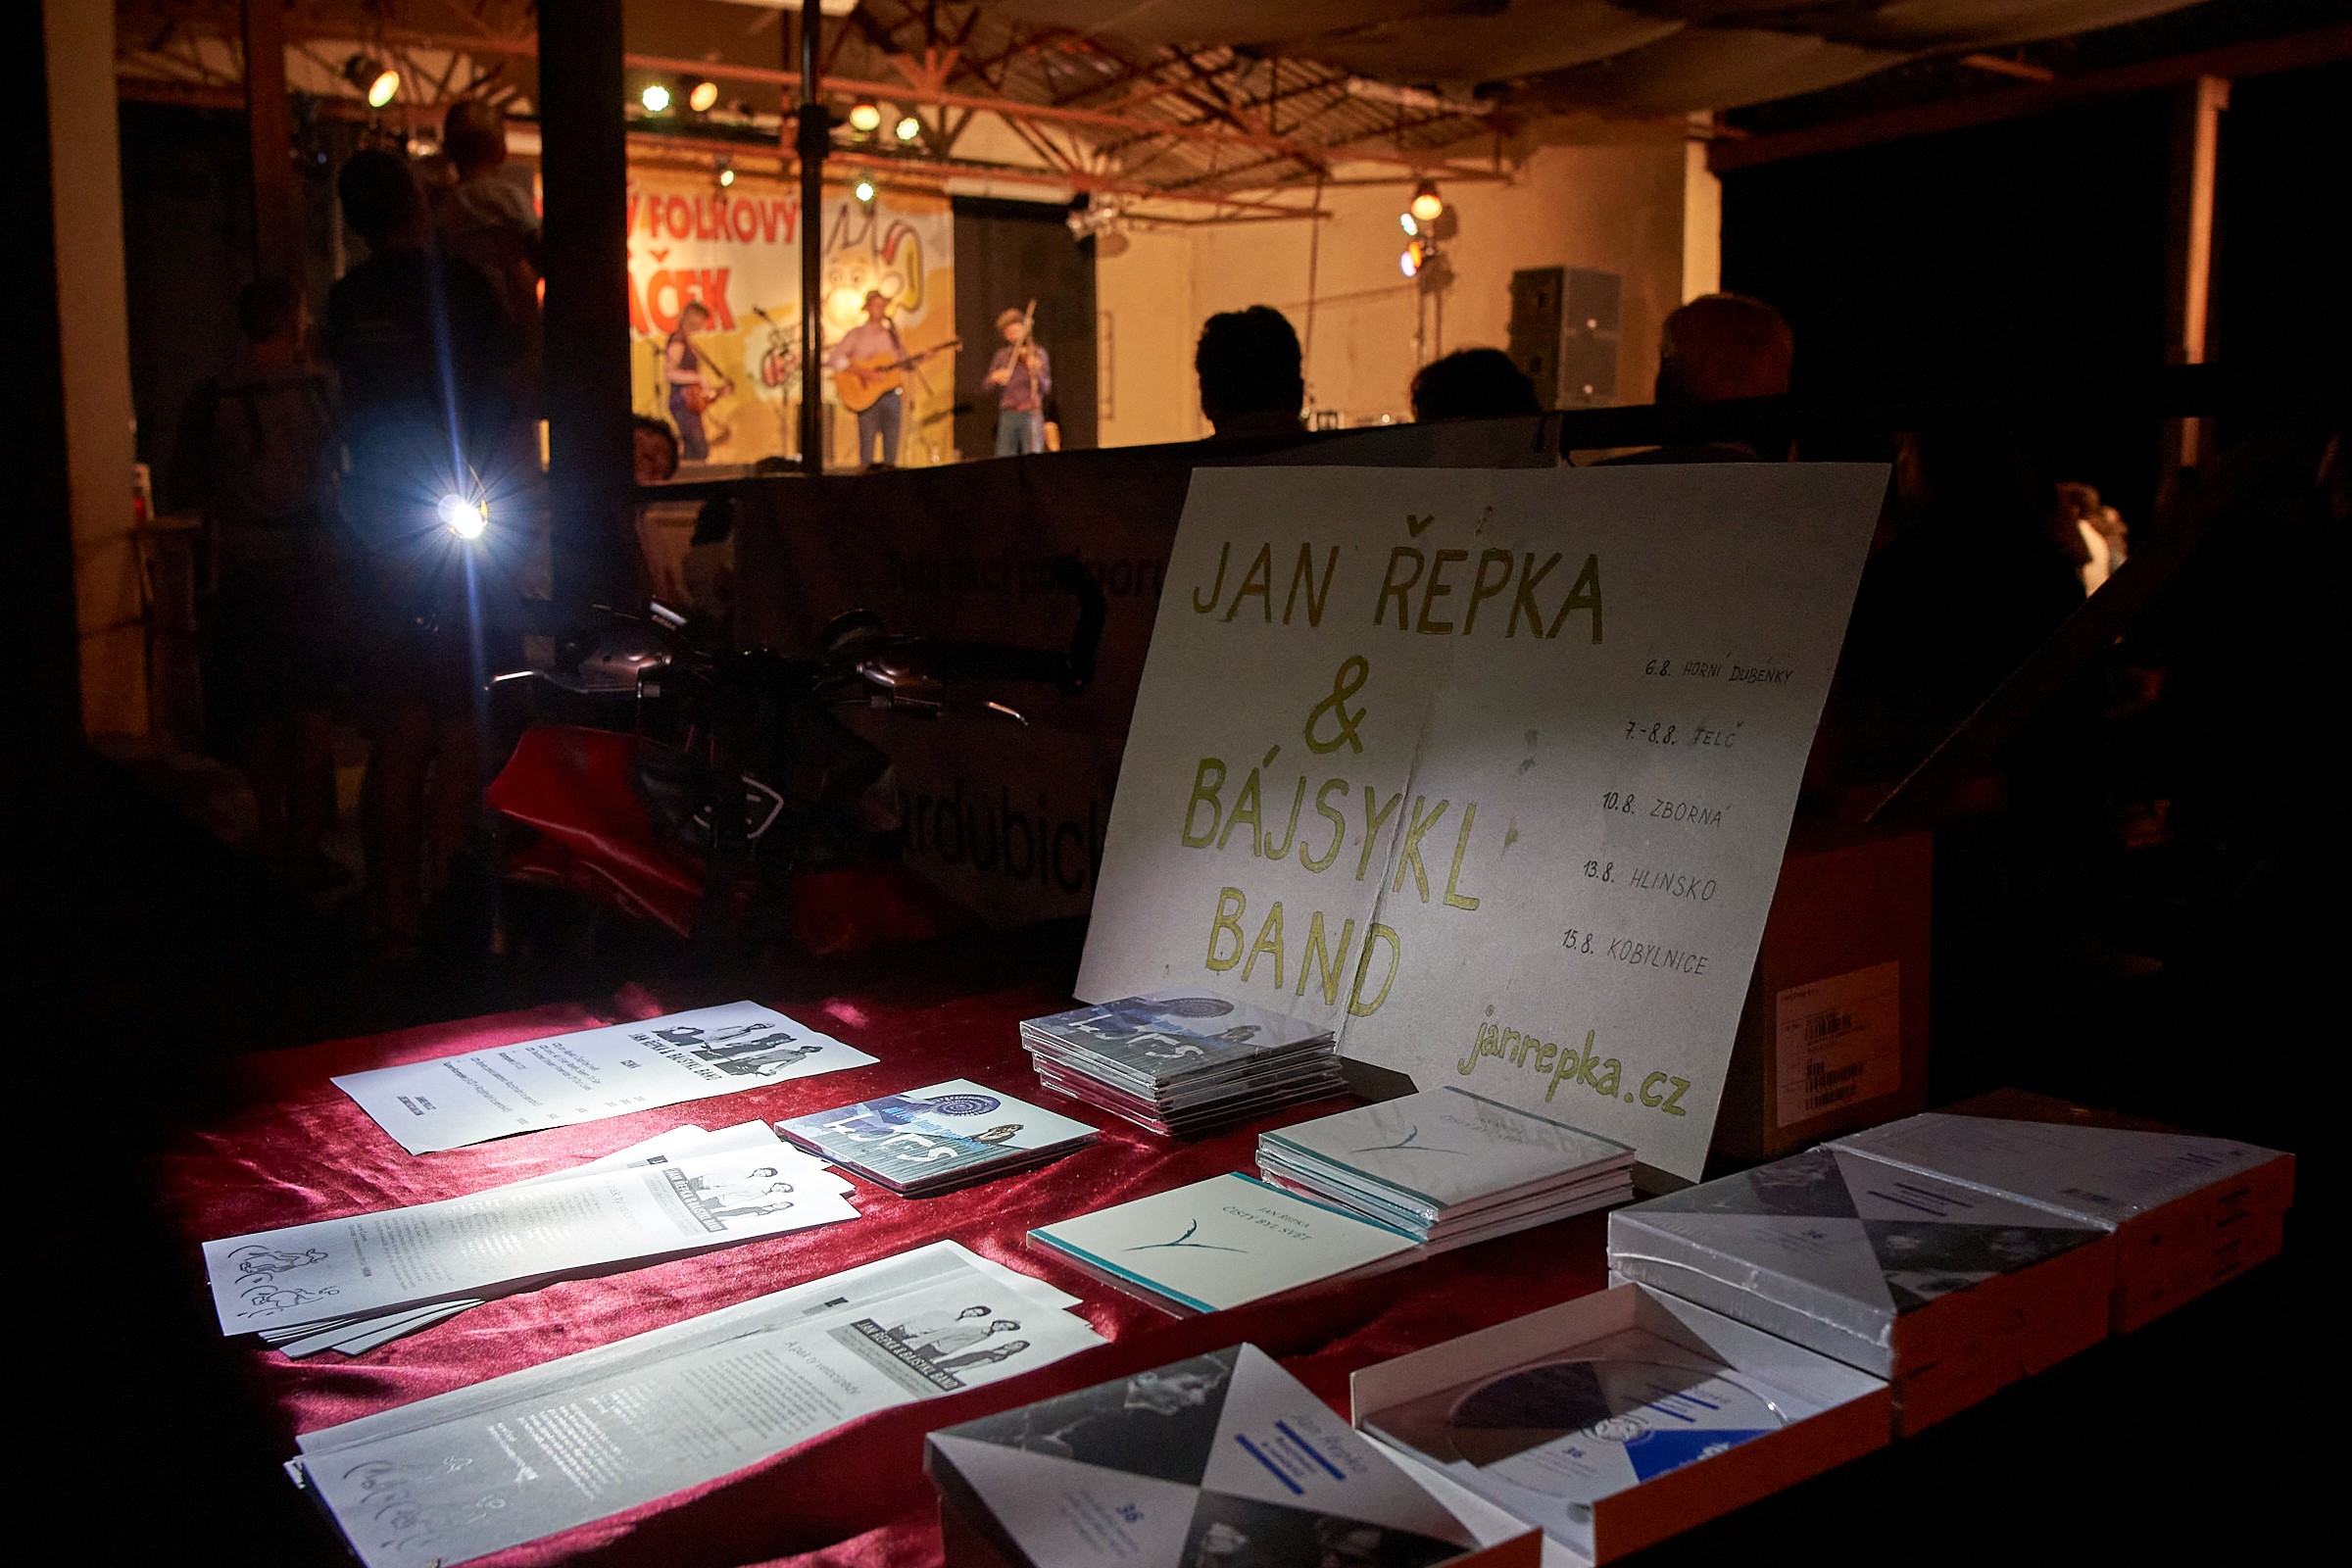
(463, 517)
(656, 98)
(1427, 203)
(863, 190)
(1415, 257)
(377, 81)
(704, 96)
(726, 175)
(908, 127)
(1404, 221)
(864, 116)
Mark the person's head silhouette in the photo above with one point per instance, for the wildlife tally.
(1473, 384)
(1721, 347)
(1251, 380)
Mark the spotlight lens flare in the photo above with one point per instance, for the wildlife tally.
(656, 99)
(704, 96)
(383, 89)
(463, 517)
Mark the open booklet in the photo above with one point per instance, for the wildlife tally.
(515, 1237)
(475, 1096)
(558, 1444)
(356, 1335)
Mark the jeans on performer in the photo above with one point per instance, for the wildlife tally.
(693, 445)
(882, 419)
(1019, 432)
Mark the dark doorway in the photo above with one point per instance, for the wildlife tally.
(1006, 253)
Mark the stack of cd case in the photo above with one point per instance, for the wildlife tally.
(1949, 1292)
(937, 1138)
(2186, 1212)
(1449, 1168)
(1182, 1063)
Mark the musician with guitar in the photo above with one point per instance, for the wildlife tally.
(1024, 373)
(694, 383)
(869, 366)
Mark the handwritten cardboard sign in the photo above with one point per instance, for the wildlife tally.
(1490, 771)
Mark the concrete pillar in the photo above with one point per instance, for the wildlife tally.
(94, 344)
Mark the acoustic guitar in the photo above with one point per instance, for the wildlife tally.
(863, 382)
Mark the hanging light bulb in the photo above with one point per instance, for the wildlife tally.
(864, 116)
(656, 98)
(1404, 221)
(908, 127)
(1427, 203)
(376, 81)
(726, 175)
(863, 190)
(704, 96)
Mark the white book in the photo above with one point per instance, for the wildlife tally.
(2102, 1176)
(1223, 1242)
(1442, 1150)
(1550, 1203)
(475, 1096)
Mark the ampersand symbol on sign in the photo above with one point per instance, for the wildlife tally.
(1352, 673)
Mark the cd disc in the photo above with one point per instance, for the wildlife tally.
(1605, 1401)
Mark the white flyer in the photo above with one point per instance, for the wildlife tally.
(354, 1336)
(514, 1458)
(510, 1237)
(475, 1096)
(1491, 771)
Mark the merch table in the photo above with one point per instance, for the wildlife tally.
(303, 1150)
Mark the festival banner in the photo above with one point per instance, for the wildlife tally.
(737, 252)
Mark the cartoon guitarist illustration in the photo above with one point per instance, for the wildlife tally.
(869, 366)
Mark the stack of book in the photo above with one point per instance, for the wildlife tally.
(2186, 1212)
(1949, 1292)
(1181, 1063)
(939, 1137)
(1449, 1168)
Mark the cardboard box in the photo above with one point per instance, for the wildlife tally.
(1834, 1033)
(1831, 1413)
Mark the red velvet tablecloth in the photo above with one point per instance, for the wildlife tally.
(302, 1150)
